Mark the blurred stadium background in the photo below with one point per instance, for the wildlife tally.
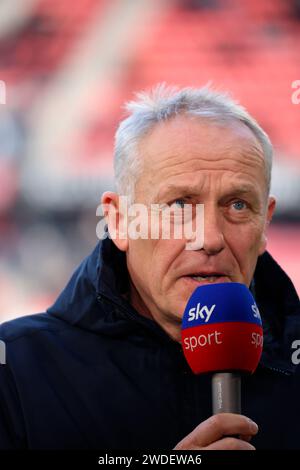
(67, 68)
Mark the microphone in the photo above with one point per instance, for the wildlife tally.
(222, 334)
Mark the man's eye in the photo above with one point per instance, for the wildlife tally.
(178, 204)
(239, 205)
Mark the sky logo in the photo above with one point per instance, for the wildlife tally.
(201, 312)
(255, 311)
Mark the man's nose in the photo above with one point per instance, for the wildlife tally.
(213, 230)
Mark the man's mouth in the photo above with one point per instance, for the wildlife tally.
(205, 278)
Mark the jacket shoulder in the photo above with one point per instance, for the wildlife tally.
(29, 325)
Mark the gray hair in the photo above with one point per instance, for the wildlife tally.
(164, 102)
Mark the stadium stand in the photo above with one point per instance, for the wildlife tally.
(68, 69)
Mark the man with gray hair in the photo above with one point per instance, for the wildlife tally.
(104, 367)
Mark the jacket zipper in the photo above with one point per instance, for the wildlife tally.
(275, 369)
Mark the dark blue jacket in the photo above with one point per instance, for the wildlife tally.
(93, 373)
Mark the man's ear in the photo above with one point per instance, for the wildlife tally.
(115, 216)
(269, 215)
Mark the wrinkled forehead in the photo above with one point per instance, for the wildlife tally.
(188, 145)
(199, 135)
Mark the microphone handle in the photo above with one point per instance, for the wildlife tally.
(226, 393)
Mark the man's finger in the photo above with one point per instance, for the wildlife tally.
(218, 426)
(230, 443)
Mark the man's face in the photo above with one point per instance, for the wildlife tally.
(187, 160)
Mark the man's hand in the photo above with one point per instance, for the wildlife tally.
(211, 434)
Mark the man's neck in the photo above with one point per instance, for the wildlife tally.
(172, 329)
(136, 301)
